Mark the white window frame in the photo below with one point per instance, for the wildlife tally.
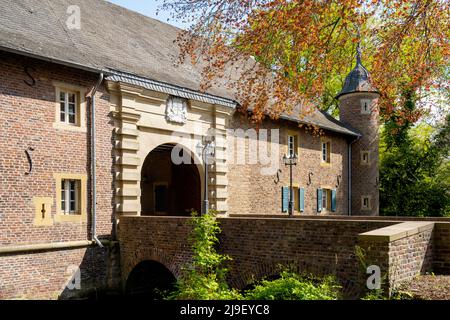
(366, 106)
(66, 112)
(66, 198)
(325, 152)
(324, 199)
(291, 145)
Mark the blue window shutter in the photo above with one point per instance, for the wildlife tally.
(301, 199)
(333, 200)
(319, 200)
(284, 199)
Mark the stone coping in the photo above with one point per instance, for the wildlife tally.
(344, 217)
(311, 218)
(48, 246)
(397, 231)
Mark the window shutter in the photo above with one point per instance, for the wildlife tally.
(301, 199)
(284, 199)
(319, 200)
(333, 200)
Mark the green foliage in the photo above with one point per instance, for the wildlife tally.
(375, 295)
(205, 277)
(414, 168)
(292, 286)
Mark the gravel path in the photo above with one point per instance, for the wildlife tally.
(428, 287)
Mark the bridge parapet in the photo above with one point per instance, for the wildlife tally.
(259, 245)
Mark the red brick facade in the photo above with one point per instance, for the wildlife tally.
(26, 117)
(365, 177)
(250, 189)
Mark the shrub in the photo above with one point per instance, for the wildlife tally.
(205, 277)
(292, 286)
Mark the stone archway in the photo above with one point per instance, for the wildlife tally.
(150, 279)
(168, 188)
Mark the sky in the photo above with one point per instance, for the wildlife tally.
(149, 8)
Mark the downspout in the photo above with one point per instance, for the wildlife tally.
(93, 166)
(350, 174)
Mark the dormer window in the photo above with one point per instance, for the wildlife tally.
(365, 106)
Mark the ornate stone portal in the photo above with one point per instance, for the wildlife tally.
(146, 119)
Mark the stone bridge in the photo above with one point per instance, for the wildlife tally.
(155, 248)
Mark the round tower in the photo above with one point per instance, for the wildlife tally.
(358, 105)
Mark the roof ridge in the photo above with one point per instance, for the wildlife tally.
(139, 14)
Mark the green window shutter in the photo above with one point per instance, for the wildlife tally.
(284, 199)
(333, 200)
(301, 199)
(319, 200)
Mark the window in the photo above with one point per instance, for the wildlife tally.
(298, 199)
(365, 157)
(325, 198)
(326, 154)
(365, 106)
(366, 203)
(292, 144)
(70, 196)
(68, 107)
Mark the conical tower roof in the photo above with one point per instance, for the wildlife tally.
(358, 80)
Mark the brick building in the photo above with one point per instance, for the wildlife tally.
(92, 116)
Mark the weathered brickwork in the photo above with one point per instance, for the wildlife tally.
(259, 245)
(411, 256)
(44, 275)
(27, 114)
(441, 260)
(402, 259)
(365, 177)
(253, 192)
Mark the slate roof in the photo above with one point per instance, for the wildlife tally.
(358, 80)
(111, 39)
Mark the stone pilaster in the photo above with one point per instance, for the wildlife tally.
(219, 171)
(126, 147)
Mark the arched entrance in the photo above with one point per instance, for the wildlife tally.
(168, 188)
(150, 279)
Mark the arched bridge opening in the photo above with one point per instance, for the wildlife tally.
(151, 280)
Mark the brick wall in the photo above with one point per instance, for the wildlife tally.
(411, 256)
(400, 259)
(257, 245)
(365, 178)
(250, 191)
(26, 120)
(441, 260)
(44, 275)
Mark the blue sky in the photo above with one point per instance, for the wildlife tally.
(148, 8)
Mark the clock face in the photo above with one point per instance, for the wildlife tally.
(176, 110)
